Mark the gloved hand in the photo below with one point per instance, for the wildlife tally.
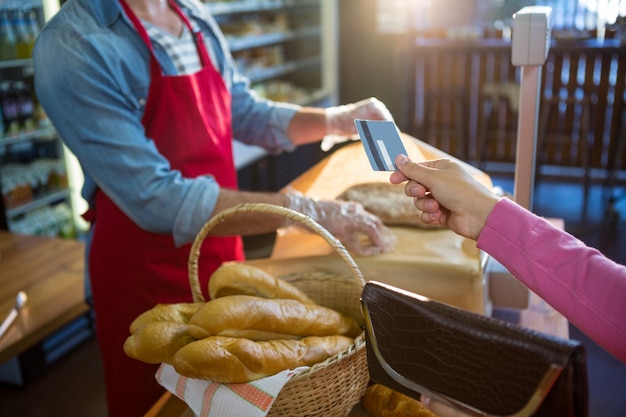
(340, 120)
(361, 232)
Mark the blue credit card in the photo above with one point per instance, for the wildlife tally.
(382, 143)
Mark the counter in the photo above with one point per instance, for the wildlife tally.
(438, 264)
(50, 271)
(435, 263)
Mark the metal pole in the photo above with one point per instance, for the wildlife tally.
(527, 135)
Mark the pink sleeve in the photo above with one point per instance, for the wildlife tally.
(578, 281)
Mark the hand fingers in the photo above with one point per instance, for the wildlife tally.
(426, 204)
(425, 172)
(397, 177)
(362, 232)
(379, 110)
(440, 409)
(381, 238)
(415, 189)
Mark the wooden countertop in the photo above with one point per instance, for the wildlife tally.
(438, 264)
(50, 271)
(349, 166)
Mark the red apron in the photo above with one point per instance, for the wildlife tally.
(188, 117)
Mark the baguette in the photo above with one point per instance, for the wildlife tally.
(388, 202)
(381, 401)
(157, 341)
(242, 279)
(175, 313)
(258, 318)
(230, 360)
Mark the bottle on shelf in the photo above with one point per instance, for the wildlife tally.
(25, 106)
(8, 41)
(10, 112)
(24, 39)
(32, 21)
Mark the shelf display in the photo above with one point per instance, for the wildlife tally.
(280, 46)
(287, 49)
(34, 185)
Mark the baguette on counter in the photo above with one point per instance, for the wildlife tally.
(381, 401)
(387, 201)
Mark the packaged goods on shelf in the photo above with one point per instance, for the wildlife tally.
(21, 183)
(253, 60)
(17, 106)
(33, 172)
(16, 186)
(10, 112)
(8, 42)
(19, 26)
(52, 221)
(282, 91)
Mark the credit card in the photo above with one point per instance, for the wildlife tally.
(382, 143)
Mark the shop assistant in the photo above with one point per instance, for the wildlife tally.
(147, 96)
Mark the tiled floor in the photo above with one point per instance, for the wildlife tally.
(73, 386)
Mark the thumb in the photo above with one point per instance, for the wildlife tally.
(420, 172)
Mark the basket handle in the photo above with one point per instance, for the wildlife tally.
(194, 254)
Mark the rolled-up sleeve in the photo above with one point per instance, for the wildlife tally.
(257, 121)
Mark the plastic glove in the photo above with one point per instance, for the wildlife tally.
(361, 232)
(340, 120)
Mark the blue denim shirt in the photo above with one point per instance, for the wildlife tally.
(92, 78)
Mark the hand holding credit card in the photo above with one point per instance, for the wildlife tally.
(382, 143)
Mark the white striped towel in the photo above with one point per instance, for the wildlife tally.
(210, 399)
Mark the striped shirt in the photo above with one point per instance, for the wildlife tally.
(182, 50)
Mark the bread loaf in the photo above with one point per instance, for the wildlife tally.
(157, 341)
(175, 313)
(387, 201)
(381, 401)
(243, 279)
(258, 318)
(238, 360)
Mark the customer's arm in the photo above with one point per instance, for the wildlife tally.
(585, 286)
(581, 283)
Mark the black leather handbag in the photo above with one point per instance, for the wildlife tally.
(477, 364)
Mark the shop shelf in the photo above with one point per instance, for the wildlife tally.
(39, 202)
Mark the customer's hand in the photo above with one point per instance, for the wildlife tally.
(447, 194)
(361, 232)
(340, 119)
(441, 410)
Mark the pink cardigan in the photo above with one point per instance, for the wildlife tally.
(578, 281)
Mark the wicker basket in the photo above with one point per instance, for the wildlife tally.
(333, 387)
